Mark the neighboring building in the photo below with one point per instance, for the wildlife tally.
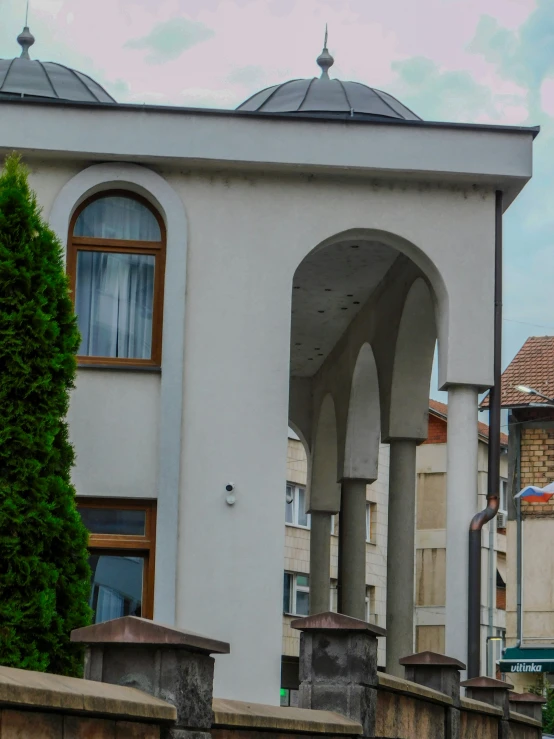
(430, 573)
(431, 543)
(530, 632)
(293, 262)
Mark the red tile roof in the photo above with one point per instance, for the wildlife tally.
(533, 366)
(442, 410)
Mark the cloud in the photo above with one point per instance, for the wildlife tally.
(452, 95)
(250, 75)
(168, 40)
(525, 54)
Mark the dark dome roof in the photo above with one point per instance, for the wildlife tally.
(25, 77)
(328, 98)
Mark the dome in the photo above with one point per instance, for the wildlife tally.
(328, 98)
(25, 77)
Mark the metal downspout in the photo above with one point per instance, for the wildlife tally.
(492, 592)
(493, 476)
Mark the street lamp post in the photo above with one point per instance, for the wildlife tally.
(531, 391)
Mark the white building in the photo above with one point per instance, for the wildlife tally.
(292, 261)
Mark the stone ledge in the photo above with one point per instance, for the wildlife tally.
(469, 704)
(239, 714)
(519, 718)
(415, 690)
(39, 690)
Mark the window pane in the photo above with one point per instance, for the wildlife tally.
(303, 581)
(302, 603)
(116, 587)
(286, 593)
(367, 521)
(289, 506)
(118, 218)
(302, 515)
(114, 302)
(113, 521)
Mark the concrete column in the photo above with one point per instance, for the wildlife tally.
(461, 506)
(320, 562)
(352, 560)
(338, 667)
(401, 554)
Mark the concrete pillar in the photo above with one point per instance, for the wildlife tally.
(461, 506)
(320, 562)
(352, 560)
(166, 662)
(440, 673)
(338, 667)
(496, 693)
(401, 554)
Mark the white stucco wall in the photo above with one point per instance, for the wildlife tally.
(113, 421)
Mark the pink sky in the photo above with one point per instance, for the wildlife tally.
(255, 43)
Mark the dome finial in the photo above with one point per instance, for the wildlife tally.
(26, 38)
(325, 60)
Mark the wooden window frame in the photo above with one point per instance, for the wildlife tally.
(130, 544)
(157, 249)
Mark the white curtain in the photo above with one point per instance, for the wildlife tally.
(114, 304)
(118, 218)
(109, 604)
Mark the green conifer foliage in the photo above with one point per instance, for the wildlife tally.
(44, 574)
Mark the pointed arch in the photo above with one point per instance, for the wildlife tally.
(413, 362)
(363, 430)
(324, 492)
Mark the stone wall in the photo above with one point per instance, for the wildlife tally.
(155, 682)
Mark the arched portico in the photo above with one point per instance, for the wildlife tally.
(367, 306)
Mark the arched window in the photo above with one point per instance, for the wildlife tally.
(116, 254)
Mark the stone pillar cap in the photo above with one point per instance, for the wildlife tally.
(431, 659)
(142, 631)
(526, 698)
(330, 621)
(490, 683)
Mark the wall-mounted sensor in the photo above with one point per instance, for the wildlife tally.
(231, 497)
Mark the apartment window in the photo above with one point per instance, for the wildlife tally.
(115, 261)
(121, 556)
(334, 527)
(370, 510)
(295, 506)
(296, 594)
(370, 615)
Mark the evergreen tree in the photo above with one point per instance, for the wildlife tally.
(44, 574)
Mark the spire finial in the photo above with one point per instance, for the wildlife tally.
(325, 60)
(26, 38)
